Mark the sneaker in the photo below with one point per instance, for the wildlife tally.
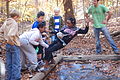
(37, 69)
(41, 63)
(43, 69)
(30, 75)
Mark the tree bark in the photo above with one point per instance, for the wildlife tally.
(1, 6)
(57, 3)
(7, 8)
(117, 11)
(68, 8)
(115, 34)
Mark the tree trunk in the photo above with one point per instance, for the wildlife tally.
(115, 34)
(68, 8)
(7, 8)
(117, 10)
(1, 6)
(57, 3)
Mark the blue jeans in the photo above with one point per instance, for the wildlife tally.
(13, 65)
(105, 31)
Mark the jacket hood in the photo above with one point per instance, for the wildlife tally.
(10, 21)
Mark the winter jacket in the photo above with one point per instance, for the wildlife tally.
(34, 37)
(52, 24)
(9, 32)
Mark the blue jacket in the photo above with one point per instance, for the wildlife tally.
(35, 24)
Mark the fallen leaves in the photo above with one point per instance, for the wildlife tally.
(93, 70)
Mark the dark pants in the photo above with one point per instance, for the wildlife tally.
(52, 47)
(40, 51)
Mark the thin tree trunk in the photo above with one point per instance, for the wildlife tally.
(115, 34)
(7, 8)
(68, 8)
(1, 6)
(117, 11)
(84, 11)
(57, 3)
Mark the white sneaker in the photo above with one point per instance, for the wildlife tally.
(43, 69)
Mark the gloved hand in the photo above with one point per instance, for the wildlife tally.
(60, 35)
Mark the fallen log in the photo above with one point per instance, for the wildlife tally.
(91, 57)
(115, 34)
(42, 75)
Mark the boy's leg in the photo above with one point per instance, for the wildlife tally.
(30, 53)
(8, 62)
(48, 53)
(40, 52)
(16, 65)
(23, 59)
(97, 34)
(39, 57)
(110, 40)
(52, 48)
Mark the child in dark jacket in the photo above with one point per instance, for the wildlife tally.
(66, 34)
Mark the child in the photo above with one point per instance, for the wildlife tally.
(40, 18)
(101, 15)
(66, 34)
(28, 40)
(10, 32)
(55, 23)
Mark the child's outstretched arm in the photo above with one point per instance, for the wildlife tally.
(80, 31)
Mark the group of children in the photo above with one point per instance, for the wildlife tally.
(21, 50)
(33, 39)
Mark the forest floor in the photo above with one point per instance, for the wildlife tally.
(85, 44)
